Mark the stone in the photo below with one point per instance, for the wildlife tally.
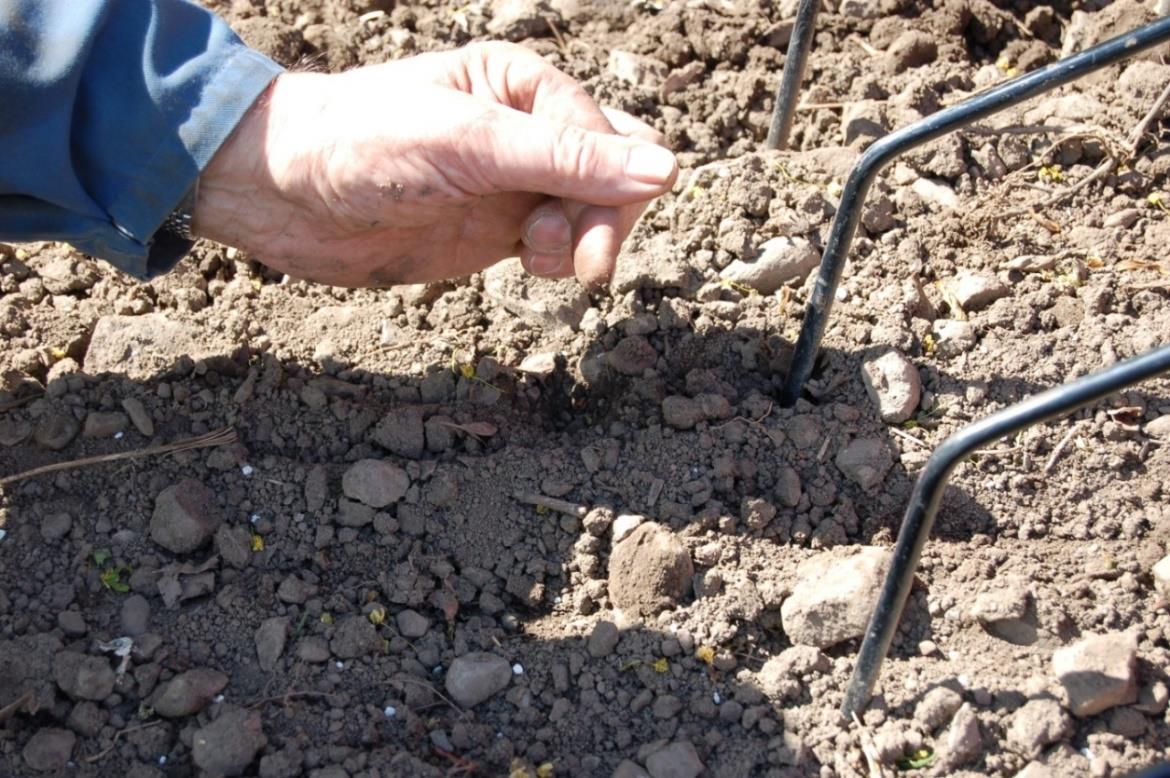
(863, 119)
(104, 424)
(1098, 672)
(911, 49)
(1037, 724)
(649, 571)
(49, 749)
(935, 193)
(296, 591)
(515, 20)
(598, 521)
(234, 545)
(1161, 573)
(56, 430)
(187, 693)
(833, 598)
(138, 416)
(227, 746)
(865, 461)
(682, 413)
(544, 303)
(375, 482)
(147, 346)
(893, 384)
(135, 615)
(354, 636)
(677, 760)
(628, 769)
(976, 290)
(635, 69)
(937, 707)
(401, 432)
(412, 624)
(779, 261)
(351, 513)
(624, 524)
(476, 677)
(1159, 428)
(313, 649)
(603, 639)
(787, 490)
(270, 639)
(792, 664)
(185, 516)
(680, 78)
(632, 356)
(952, 337)
(13, 431)
(654, 263)
(964, 742)
(83, 677)
(56, 526)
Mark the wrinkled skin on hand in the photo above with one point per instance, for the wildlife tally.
(432, 167)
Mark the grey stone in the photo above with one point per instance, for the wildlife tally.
(1159, 428)
(313, 649)
(649, 571)
(865, 461)
(187, 693)
(624, 524)
(185, 516)
(234, 545)
(1161, 573)
(228, 745)
(295, 591)
(953, 337)
(937, 707)
(351, 513)
(375, 482)
(412, 624)
(270, 639)
(787, 489)
(975, 290)
(135, 616)
(56, 430)
(677, 760)
(401, 432)
(49, 749)
(628, 769)
(833, 598)
(104, 424)
(779, 261)
(83, 677)
(354, 636)
(964, 742)
(603, 639)
(476, 677)
(138, 416)
(893, 384)
(1098, 672)
(911, 49)
(545, 303)
(1037, 724)
(515, 20)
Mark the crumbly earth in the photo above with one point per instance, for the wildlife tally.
(435, 611)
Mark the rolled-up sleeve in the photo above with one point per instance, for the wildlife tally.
(109, 110)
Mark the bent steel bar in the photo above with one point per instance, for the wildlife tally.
(876, 157)
(928, 491)
(795, 62)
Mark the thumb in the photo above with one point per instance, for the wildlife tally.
(516, 151)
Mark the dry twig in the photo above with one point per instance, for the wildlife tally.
(221, 437)
(1057, 452)
(553, 504)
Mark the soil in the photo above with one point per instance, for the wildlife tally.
(450, 608)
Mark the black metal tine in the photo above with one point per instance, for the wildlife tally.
(928, 491)
(886, 149)
(795, 62)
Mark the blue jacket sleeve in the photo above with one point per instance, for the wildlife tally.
(109, 110)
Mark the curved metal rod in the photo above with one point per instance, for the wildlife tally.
(878, 155)
(928, 492)
(795, 62)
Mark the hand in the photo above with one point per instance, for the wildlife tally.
(432, 167)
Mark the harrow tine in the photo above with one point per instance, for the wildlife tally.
(886, 149)
(928, 490)
(795, 62)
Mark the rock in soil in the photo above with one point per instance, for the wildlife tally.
(1161, 573)
(476, 677)
(1098, 672)
(83, 677)
(603, 639)
(187, 693)
(649, 571)
(185, 516)
(228, 745)
(1036, 724)
(865, 461)
(49, 749)
(780, 261)
(833, 599)
(894, 385)
(677, 760)
(354, 636)
(375, 482)
(964, 741)
(270, 639)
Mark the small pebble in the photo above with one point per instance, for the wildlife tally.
(247, 471)
(517, 669)
(390, 711)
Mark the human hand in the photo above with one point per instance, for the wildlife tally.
(432, 167)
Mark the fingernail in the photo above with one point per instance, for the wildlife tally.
(650, 164)
(549, 231)
(547, 264)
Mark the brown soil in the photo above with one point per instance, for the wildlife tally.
(314, 379)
